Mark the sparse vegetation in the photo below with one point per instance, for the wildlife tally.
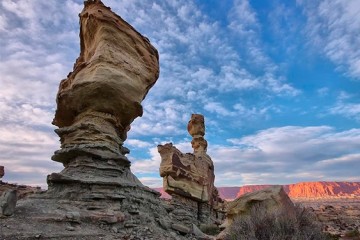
(261, 224)
(210, 229)
(353, 234)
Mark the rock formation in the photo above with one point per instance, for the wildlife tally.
(189, 178)
(100, 98)
(2, 171)
(8, 203)
(96, 195)
(270, 199)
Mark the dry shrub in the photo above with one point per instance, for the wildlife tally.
(261, 224)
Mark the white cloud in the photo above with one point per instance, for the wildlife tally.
(201, 62)
(26, 152)
(244, 23)
(148, 165)
(288, 154)
(333, 27)
(151, 182)
(349, 110)
(322, 92)
(215, 107)
(138, 143)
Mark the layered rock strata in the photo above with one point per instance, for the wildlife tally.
(189, 178)
(96, 195)
(100, 98)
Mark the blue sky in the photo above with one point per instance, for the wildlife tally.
(277, 81)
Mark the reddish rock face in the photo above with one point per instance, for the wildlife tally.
(2, 171)
(310, 189)
(323, 189)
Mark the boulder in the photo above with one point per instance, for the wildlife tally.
(271, 199)
(8, 202)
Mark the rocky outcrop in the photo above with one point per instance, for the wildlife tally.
(8, 203)
(189, 178)
(271, 199)
(2, 171)
(100, 98)
(96, 195)
(337, 216)
(189, 175)
(22, 191)
(311, 189)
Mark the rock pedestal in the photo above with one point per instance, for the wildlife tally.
(96, 195)
(100, 98)
(189, 178)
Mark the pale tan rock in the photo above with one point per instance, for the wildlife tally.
(196, 125)
(189, 179)
(189, 175)
(272, 199)
(101, 97)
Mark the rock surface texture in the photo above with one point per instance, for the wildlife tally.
(8, 203)
(2, 171)
(271, 199)
(100, 98)
(96, 196)
(189, 178)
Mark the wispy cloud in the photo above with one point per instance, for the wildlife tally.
(291, 153)
(333, 27)
(278, 156)
(222, 68)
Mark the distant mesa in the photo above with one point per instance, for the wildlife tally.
(303, 190)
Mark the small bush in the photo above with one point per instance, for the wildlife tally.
(260, 224)
(353, 233)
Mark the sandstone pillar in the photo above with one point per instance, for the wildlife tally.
(98, 101)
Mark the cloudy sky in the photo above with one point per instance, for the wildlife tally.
(278, 83)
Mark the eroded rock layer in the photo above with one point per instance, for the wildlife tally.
(96, 195)
(100, 98)
(189, 178)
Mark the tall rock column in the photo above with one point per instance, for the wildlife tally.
(99, 100)
(189, 178)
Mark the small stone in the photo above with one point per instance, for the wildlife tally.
(180, 228)
(74, 216)
(114, 229)
(164, 224)
(70, 228)
(38, 236)
(130, 225)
